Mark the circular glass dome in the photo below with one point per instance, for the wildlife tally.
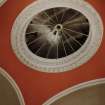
(57, 32)
(56, 37)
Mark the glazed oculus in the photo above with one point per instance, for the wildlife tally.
(57, 32)
(56, 36)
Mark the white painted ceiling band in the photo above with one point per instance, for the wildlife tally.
(74, 89)
(2, 2)
(13, 84)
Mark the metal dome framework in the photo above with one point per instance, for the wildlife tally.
(22, 40)
(57, 32)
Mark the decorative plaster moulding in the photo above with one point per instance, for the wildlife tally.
(63, 97)
(2, 2)
(9, 89)
(88, 20)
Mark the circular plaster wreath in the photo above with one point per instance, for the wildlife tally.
(2, 2)
(56, 35)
